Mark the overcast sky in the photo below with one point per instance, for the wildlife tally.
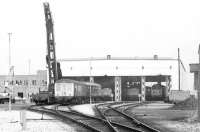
(91, 28)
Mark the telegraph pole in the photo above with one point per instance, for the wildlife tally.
(9, 74)
(9, 37)
(29, 66)
(28, 87)
(179, 72)
(198, 90)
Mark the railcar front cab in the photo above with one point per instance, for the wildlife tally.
(74, 92)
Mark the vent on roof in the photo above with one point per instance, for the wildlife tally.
(108, 57)
(155, 57)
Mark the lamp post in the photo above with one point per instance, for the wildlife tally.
(28, 87)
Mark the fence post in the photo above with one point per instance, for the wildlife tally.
(23, 119)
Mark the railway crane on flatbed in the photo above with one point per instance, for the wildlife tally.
(54, 71)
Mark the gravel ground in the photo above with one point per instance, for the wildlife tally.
(10, 122)
(165, 119)
(178, 126)
(158, 114)
(85, 109)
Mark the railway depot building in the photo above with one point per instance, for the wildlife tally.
(129, 78)
(24, 85)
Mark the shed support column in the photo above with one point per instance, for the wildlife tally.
(143, 91)
(91, 79)
(168, 85)
(118, 88)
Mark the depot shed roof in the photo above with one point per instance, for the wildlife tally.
(119, 66)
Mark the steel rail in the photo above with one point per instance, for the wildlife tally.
(111, 124)
(64, 117)
(134, 120)
(123, 105)
(107, 121)
(81, 123)
(127, 127)
(102, 114)
(96, 118)
(103, 120)
(142, 123)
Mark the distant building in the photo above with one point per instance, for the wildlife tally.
(24, 85)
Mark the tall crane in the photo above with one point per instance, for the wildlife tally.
(54, 72)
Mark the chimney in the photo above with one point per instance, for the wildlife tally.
(108, 57)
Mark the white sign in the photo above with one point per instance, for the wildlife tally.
(6, 84)
(11, 71)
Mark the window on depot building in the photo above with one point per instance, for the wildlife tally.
(20, 82)
(26, 82)
(11, 82)
(17, 82)
(43, 82)
(33, 82)
(20, 94)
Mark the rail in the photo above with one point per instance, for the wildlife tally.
(63, 117)
(103, 118)
(138, 125)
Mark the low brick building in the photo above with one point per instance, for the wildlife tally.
(24, 85)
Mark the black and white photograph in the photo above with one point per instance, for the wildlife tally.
(100, 66)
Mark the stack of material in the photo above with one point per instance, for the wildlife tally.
(188, 104)
(179, 95)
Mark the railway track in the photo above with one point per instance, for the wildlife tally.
(116, 113)
(89, 123)
(112, 117)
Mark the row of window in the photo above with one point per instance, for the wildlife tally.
(142, 67)
(26, 82)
